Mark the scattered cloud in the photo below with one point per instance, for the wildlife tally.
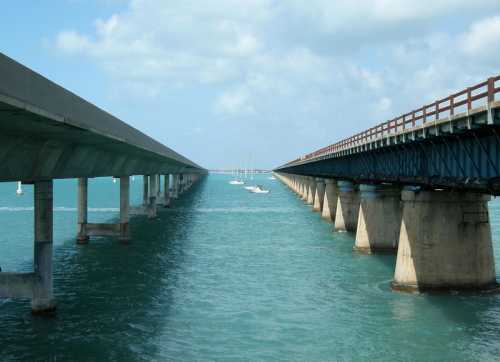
(483, 38)
(319, 67)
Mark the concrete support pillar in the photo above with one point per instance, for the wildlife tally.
(445, 242)
(166, 190)
(320, 195)
(124, 208)
(346, 217)
(158, 186)
(311, 191)
(82, 237)
(303, 187)
(145, 190)
(43, 296)
(152, 196)
(175, 186)
(292, 183)
(379, 220)
(330, 200)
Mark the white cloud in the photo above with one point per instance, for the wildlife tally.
(483, 37)
(72, 42)
(319, 69)
(383, 105)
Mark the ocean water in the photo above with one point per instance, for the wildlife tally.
(226, 275)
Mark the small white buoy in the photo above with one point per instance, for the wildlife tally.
(19, 190)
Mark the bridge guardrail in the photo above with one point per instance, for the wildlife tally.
(463, 100)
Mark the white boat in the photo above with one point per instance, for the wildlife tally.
(272, 178)
(250, 188)
(19, 190)
(259, 190)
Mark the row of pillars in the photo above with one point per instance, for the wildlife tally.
(38, 285)
(442, 238)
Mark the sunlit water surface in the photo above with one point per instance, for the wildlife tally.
(230, 276)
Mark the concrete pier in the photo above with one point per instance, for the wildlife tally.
(86, 229)
(153, 193)
(166, 190)
(379, 220)
(43, 297)
(36, 285)
(181, 184)
(304, 187)
(346, 216)
(82, 237)
(158, 187)
(145, 190)
(320, 194)
(175, 186)
(445, 242)
(294, 183)
(330, 200)
(311, 191)
(124, 208)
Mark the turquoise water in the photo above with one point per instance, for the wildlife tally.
(227, 275)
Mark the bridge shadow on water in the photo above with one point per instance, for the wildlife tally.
(112, 298)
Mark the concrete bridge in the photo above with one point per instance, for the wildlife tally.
(418, 185)
(47, 133)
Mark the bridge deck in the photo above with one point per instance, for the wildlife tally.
(48, 132)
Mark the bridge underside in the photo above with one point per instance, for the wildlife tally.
(33, 147)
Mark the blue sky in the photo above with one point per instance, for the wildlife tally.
(234, 83)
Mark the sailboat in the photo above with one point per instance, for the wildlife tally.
(19, 190)
(237, 181)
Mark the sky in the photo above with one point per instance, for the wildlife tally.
(255, 83)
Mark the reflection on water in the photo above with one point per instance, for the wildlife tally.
(228, 275)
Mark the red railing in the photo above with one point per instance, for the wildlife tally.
(465, 99)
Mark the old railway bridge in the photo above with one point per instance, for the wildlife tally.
(418, 185)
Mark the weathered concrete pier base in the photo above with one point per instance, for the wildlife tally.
(445, 242)
(296, 185)
(311, 190)
(304, 188)
(319, 195)
(379, 220)
(330, 200)
(346, 216)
